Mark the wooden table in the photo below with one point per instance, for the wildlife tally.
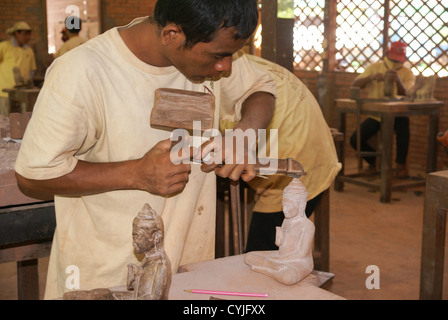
(26, 231)
(433, 239)
(387, 111)
(232, 274)
(19, 95)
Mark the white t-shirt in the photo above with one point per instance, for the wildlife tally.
(95, 106)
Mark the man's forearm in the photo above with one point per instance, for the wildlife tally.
(257, 111)
(86, 179)
(155, 173)
(362, 82)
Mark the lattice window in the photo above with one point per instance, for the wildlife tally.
(308, 34)
(423, 26)
(359, 33)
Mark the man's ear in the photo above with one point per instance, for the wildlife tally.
(172, 34)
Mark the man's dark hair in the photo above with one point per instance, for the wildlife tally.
(201, 19)
(73, 24)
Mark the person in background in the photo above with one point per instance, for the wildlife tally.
(15, 54)
(70, 35)
(303, 135)
(64, 34)
(386, 79)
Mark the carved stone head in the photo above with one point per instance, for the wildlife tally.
(147, 230)
(294, 199)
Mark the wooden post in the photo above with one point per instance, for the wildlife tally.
(325, 86)
(269, 29)
(386, 27)
(433, 239)
(386, 145)
(322, 233)
(277, 36)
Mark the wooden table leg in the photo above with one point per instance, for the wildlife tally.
(322, 234)
(433, 239)
(433, 129)
(340, 149)
(28, 280)
(387, 135)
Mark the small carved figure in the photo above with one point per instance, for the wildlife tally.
(423, 89)
(426, 93)
(149, 281)
(293, 261)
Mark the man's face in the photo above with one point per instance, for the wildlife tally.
(64, 35)
(207, 59)
(23, 37)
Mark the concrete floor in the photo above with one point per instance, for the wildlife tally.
(363, 232)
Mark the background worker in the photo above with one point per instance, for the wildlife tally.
(91, 147)
(15, 53)
(399, 79)
(70, 35)
(64, 34)
(303, 135)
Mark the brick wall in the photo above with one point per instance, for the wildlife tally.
(418, 124)
(30, 11)
(121, 12)
(113, 13)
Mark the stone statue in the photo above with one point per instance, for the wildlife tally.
(149, 281)
(422, 90)
(293, 261)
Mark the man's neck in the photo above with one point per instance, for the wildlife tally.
(144, 42)
(17, 44)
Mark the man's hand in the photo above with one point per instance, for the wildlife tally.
(393, 74)
(162, 172)
(229, 156)
(234, 154)
(377, 77)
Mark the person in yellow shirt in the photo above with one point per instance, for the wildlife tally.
(15, 53)
(299, 130)
(71, 31)
(373, 78)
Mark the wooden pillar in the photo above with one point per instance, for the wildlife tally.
(433, 239)
(269, 29)
(330, 14)
(277, 36)
(325, 81)
(386, 27)
(322, 233)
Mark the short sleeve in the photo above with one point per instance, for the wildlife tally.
(243, 81)
(59, 128)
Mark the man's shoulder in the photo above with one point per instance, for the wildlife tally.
(101, 45)
(5, 43)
